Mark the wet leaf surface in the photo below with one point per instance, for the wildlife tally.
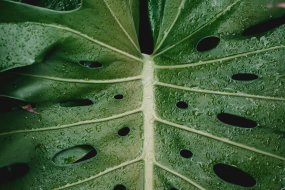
(210, 95)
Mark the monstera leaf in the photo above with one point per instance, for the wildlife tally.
(205, 111)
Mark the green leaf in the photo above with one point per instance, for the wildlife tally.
(74, 155)
(203, 111)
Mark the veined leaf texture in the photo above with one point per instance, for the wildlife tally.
(205, 110)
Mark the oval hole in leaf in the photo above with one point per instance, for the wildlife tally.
(182, 105)
(234, 175)
(120, 187)
(173, 189)
(244, 76)
(75, 103)
(90, 64)
(74, 155)
(264, 27)
(145, 34)
(124, 131)
(13, 171)
(186, 153)
(236, 120)
(31, 2)
(208, 43)
(119, 96)
(60, 5)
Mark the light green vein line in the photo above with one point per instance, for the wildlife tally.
(220, 139)
(133, 19)
(217, 92)
(179, 175)
(100, 174)
(218, 60)
(171, 26)
(88, 38)
(83, 81)
(121, 26)
(72, 125)
(208, 23)
(130, 5)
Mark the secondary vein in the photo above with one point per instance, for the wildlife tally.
(217, 92)
(179, 175)
(84, 81)
(218, 60)
(220, 139)
(72, 124)
(100, 174)
(88, 38)
(208, 23)
(171, 26)
(121, 26)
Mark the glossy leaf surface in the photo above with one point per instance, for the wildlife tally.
(153, 120)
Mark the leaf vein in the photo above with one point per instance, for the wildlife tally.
(100, 174)
(171, 26)
(73, 124)
(121, 26)
(179, 175)
(208, 23)
(217, 92)
(83, 81)
(88, 38)
(218, 60)
(220, 139)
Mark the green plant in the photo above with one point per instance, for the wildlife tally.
(169, 127)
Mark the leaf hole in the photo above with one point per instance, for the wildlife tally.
(119, 97)
(76, 103)
(236, 120)
(31, 2)
(120, 187)
(234, 175)
(264, 26)
(181, 105)
(90, 64)
(124, 131)
(60, 5)
(33, 105)
(74, 155)
(11, 172)
(145, 34)
(208, 43)
(244, 77)
(173, 189)
(186, 153)
(89, 155)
